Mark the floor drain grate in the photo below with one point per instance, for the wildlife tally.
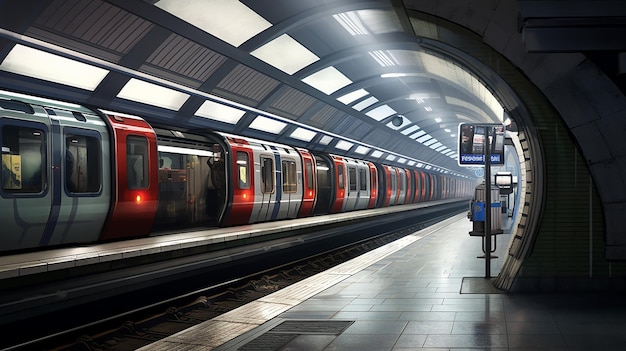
(282, 334)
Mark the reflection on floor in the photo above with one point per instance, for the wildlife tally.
(413, 299)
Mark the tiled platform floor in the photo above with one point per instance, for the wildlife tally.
(412, 300)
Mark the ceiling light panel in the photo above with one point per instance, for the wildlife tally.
(353, 96)
(344, 145)
(376, 154)
(286, 54)
(152, 94)
(430, 142)
(42, 65)
(327, 80)
(380, 112)
(410, 129)
(424, 138)
(365, 103)
(220, 112)
(418, 134)
(228, 20)
(267, 125)
(325, 140)
(362, 150)
(390, 157)
(303, 134)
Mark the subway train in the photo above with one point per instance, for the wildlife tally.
(73, 174)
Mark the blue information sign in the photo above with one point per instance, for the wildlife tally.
(472, 143)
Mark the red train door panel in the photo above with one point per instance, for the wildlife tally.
(135, 178)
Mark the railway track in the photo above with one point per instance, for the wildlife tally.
(148, 316)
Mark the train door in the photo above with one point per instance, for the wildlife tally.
(340, 185)
(324, 168)
(364, 189)
(410, 187)
(402, 186)
(352, 189)
(265, 195)
(26, 196)
(393, 177)
(373, 178)
(309, 184)
(291, 198)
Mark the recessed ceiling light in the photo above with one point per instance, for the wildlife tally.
(54, 68)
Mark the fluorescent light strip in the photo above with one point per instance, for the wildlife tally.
(430, 142)
(410, 129)
(418, 134)
(382, 59)
(286, 54)
(39, 64)
(152, 94)
(390, 157)
(424, 138)
(268, 125)
(220, 112)
(351, 22)
(184, 151)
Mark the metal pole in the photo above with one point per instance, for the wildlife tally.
(487, 225)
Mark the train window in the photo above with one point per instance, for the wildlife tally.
(82, 163)
(23, 160)
(243, 170)
(267, 175)
(352, 178)
(340, 184)
(290, 177)
(363, 179)
(137, 162)
(308, 166)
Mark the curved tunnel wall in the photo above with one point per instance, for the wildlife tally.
(562, 239)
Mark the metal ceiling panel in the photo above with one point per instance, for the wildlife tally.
(93, 22)
(248, 83)
(292, 103)
(182, 56)
(325, 118)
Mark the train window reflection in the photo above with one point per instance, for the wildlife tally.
(137, 162)
(243, 170)
(308, 166)
(82, 164)
(23, 160)
(290, 176)
(363, 179)
(267, 175)
(352, 178)
(341, 181)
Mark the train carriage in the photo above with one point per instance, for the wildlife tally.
(272, 188)
(73, 174)
(55, 173)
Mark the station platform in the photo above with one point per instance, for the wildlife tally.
(83, 256)
(426, 291)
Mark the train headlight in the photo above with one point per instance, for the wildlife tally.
(138, 199)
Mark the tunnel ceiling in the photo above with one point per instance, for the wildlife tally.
(347, 77)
